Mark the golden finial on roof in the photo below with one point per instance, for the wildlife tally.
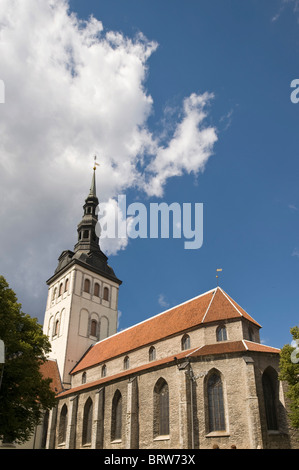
(95, 163)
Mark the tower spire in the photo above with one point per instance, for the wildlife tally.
(92, 191)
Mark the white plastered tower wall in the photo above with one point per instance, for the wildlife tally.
(68, 317)
(82, 304)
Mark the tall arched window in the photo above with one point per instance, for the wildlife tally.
(96, 290)
(221, 334)
(152, 353)
(161, 408)
(116, 418)
(45, 430)
(83, 379)
(60, 289)
(66, 285)
(215, 403)
(269, 380)
(87, 422)
(62, 425)
(106, 293)
(93, 328)
(87, 285)
(56, 328)
(185, 343)
(54, 293)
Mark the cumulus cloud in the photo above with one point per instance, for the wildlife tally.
(72, 90)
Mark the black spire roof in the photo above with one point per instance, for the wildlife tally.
(87, 251)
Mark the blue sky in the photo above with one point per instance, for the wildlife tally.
(245, 55)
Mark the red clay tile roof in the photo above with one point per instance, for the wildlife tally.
(50, 370)
(224, 347)
(211, 306)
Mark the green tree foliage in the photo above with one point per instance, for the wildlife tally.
(289, 372)
(24, 393)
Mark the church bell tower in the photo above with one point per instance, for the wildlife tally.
(82, 304)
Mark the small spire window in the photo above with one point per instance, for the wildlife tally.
(60, 289)
(96, 290)
(93, 328)
(106, 293)
(87, 285)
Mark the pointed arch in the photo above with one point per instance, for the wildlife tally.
(62, 425)
(215, 398)
(116, 416)
(185, 342)
(161, 408)
(270, 392)
(221, 333)
(87, 422)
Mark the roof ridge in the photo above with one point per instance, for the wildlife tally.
(260, 344)
(155, 316)
(225, 294)
(209, 305)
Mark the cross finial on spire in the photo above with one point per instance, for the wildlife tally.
(95, 163)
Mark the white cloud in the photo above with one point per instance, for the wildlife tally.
(284, 3)
(73, 89)
(162, 301)
(188, 150)
(295, 252)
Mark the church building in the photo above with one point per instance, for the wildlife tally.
(195, 376)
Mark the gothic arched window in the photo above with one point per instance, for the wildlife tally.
(161, 408)
(87, 422)
(185, 343)
(221, 334)
(87, 285)
(215, 403)
(66, 285)
(62, 425)
(269, 398)
(116, 418)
